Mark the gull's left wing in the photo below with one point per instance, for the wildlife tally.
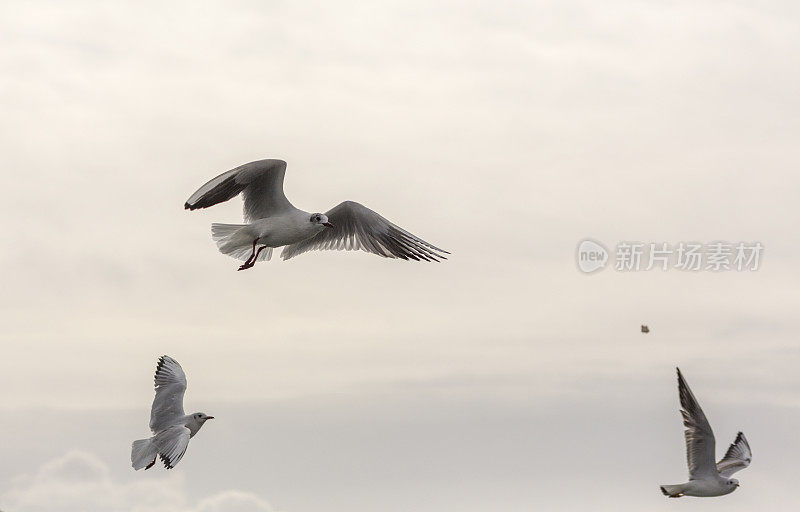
(260, 182)
(171, 444)
(699, 436)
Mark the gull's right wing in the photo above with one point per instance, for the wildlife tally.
(170, 384)
(737, 457)
(357, 227)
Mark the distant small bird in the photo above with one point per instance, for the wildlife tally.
(172, 428)
(705, 477)
(275, 222)
(645, 329)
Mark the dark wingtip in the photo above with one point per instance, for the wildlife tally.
(159, 366)
(681, 380)
(165, 460)
(663, 490)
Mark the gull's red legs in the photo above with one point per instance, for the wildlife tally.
(251, 260)
(259, 252)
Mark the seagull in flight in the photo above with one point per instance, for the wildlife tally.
(705, 477)
(171, 427)
(272, 221)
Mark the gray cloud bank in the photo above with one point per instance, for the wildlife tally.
(351, 453)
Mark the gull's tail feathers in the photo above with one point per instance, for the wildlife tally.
(236, 241)
(143, 454)
(673, 491)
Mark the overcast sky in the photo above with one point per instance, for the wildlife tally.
(504, 132)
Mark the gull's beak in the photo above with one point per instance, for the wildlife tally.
(209, 417)
(737, 485)
(327, 224)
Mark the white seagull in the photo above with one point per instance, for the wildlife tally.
(171, 427)
(705, 477)
(274, 222)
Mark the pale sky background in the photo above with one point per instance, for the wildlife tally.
(505, 132)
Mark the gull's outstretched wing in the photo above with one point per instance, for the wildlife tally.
(170, 383)
(357, 227)
(262, 184)
(699, 436)
(737, 457)
(171, 444)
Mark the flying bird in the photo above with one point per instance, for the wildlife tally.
(705, 477)
(645, 329)
(272, 221)
(171, 427)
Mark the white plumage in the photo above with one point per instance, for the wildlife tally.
(272, 221)
(171, 427)
(706, 478)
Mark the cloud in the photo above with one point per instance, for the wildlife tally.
(233, 501)
(80, 482)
